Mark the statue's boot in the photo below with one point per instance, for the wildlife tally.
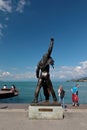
(55, 99)
(35, 100)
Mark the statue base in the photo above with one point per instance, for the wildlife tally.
(45, 110)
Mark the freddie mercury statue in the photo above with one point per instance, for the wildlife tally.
(42, 72)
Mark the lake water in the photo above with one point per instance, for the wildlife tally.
(26, 92)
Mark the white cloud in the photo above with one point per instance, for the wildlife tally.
(70, 72)
(25, 76)
(58, 73)
(4, 74)
(7, 18)
(2, 28)
(21, 5)
(16, 74)
(5, 6)
(84, 64)
(11, 6)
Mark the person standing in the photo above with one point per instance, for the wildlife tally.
(75, 98)
(59, 91)
(5, 87)
(61, 94)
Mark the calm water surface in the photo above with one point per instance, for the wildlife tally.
(26, 92)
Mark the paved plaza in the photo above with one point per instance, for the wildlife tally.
(17, 119)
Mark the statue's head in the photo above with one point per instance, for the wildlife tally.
(51, 62)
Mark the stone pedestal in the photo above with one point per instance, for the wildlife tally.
(45, 111)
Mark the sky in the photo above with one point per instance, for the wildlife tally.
(26, 27)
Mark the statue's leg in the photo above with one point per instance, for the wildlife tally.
(49, 83)
(38, 87)
(46, 93)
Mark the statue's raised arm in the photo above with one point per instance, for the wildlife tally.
(50, 47)
(46, 59)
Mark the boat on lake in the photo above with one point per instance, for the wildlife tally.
(8, 93)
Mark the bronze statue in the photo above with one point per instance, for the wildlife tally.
(42, 73)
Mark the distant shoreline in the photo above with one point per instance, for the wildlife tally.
(84, 79)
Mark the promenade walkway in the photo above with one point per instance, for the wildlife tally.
(15, 117)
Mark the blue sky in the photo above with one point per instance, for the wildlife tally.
(26, 27)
